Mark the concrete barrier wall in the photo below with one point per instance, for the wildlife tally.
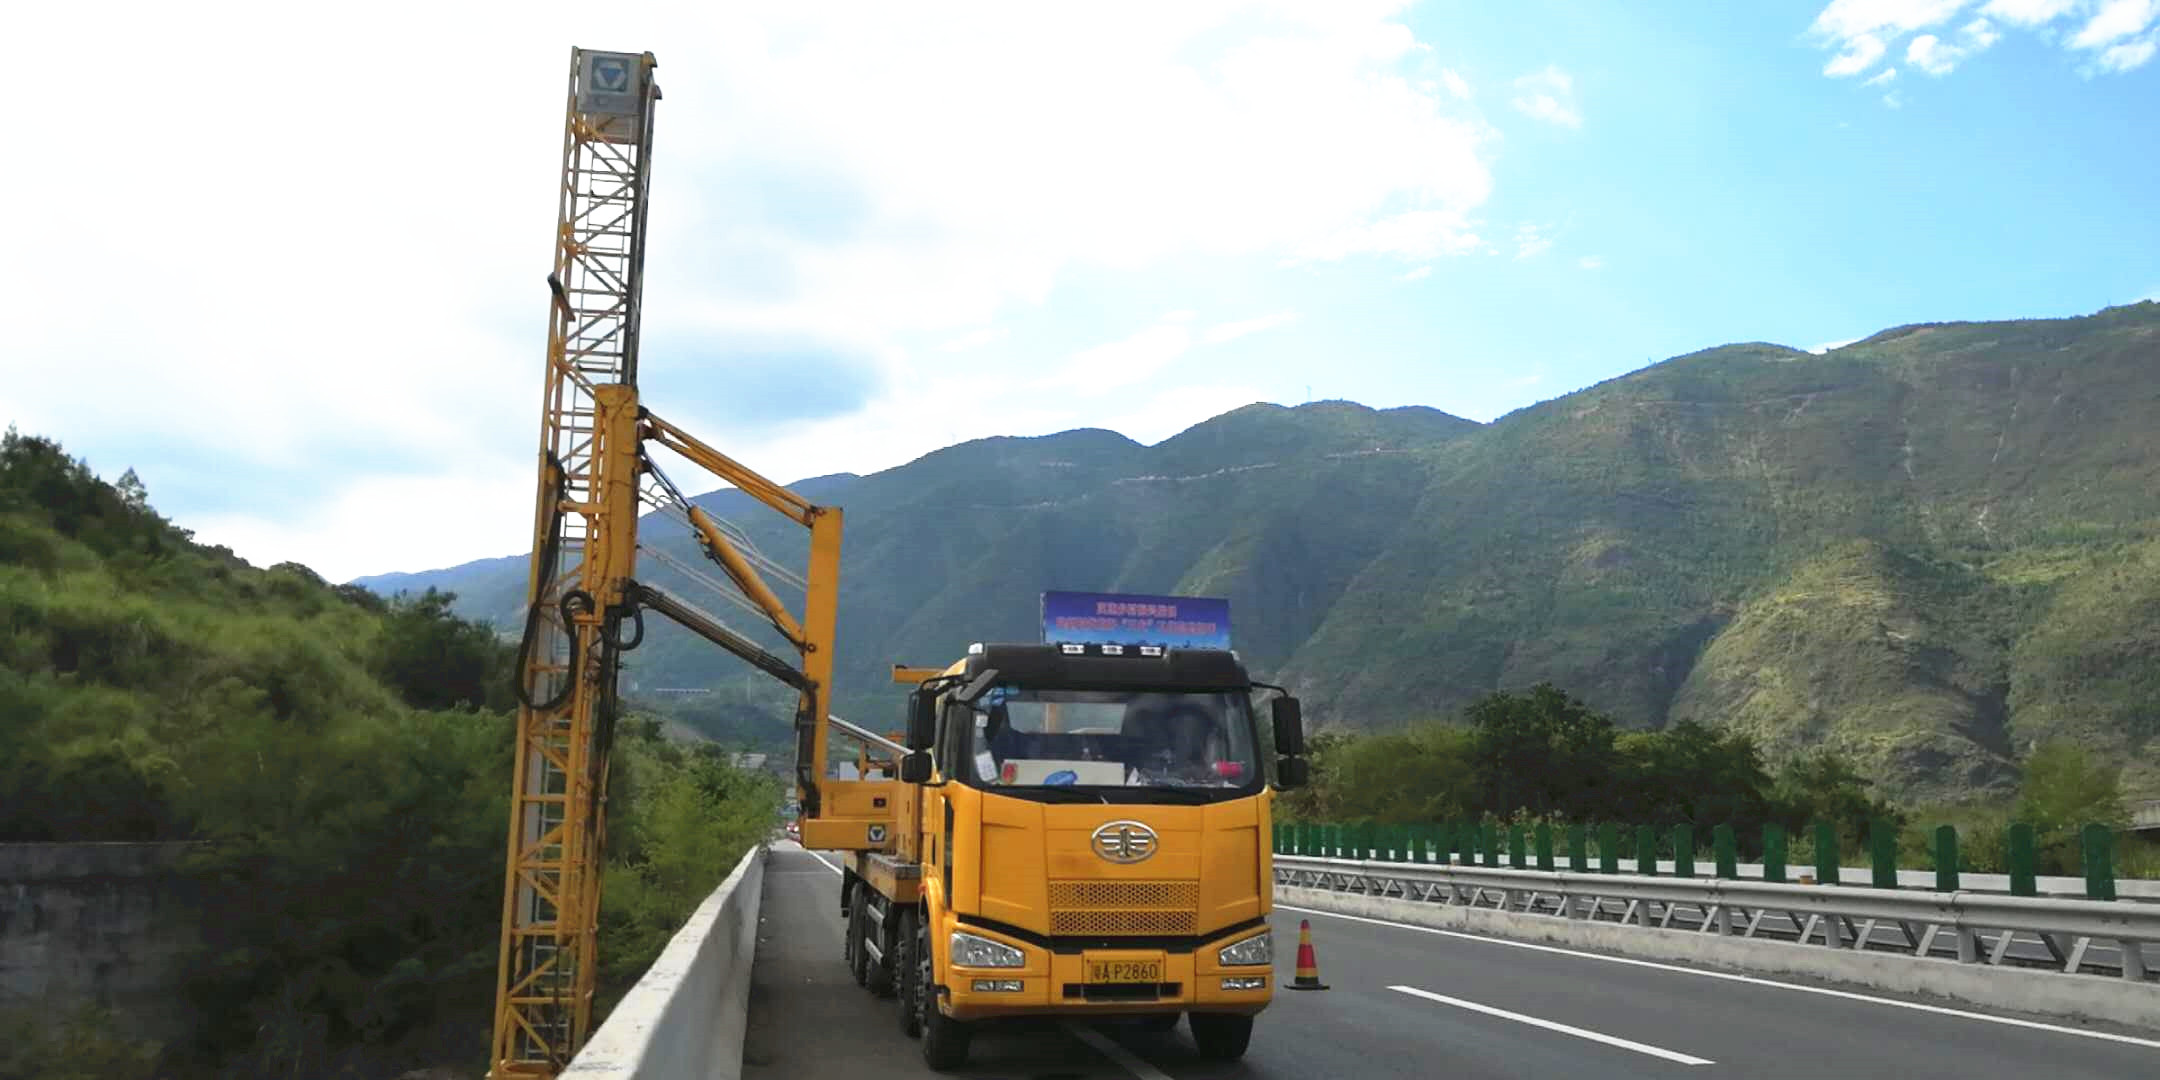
(685, 1018)
(2081, 997)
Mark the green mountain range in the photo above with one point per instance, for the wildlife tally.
(1934, 548)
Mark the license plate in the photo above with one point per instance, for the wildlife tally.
(1125, 971)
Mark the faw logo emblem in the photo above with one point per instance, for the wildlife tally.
(1124, 841)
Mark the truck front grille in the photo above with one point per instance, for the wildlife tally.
(1117, 908)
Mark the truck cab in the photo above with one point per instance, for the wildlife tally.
(1091, 837)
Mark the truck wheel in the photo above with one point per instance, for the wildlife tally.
(944, 1039)
(847, 925)
(878, 973)
(1220, 1036)
(904, 970)
(858, 957)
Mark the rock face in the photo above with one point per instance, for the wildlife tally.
(1933, 547)
(110, 924)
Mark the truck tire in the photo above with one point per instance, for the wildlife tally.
(944, 1039)
(847, 925)
(1220, 1036)
(858, 957)
(904, 972)
(878, 973)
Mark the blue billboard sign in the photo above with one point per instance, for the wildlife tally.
(1179, 622)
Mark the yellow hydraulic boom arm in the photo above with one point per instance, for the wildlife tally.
(582, 586)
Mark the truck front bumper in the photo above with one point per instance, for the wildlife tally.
(1110, 981)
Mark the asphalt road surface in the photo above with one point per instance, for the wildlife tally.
(1415, 1003)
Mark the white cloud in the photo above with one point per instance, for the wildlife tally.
(2114, 33)
(1881, 77)
(1415, 234)
(1455, 84)
(1938, 57)
(1123, 362)
(1933, 55)
(1419, 274)
(1860, 54)
(1548, 95)
(1231, 331)
(1979, 34)
(2027, 12)
(1531, 241)
(1894, 100)
(837, 173)
(2119, 58)
(2116, 19)
(974, 339)
(1591, 262)
(1844, 20)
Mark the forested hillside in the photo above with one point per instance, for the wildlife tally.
(345, 762)
(1931, 550)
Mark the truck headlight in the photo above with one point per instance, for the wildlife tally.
(971, 951)
(1257, 949)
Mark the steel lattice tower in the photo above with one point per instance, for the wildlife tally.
(588, 476)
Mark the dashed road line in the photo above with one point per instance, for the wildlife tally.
(1824, 991)
(1554, 1025)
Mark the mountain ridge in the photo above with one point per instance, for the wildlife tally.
(1703, 538)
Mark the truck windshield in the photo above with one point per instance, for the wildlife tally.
(1026, 738)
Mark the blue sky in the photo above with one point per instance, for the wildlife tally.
(876, 231)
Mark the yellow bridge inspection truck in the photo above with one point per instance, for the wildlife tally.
(1080, 828)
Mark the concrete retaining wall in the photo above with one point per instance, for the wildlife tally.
(110, 924)
(685, 1017)
(2082, 997)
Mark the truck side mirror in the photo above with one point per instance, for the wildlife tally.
(1289, 726)
(1292, 772)
(921, 720)
(915, 768)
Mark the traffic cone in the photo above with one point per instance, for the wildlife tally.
(1308, 969)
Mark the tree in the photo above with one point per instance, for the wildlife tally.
(1824, 786)
(1317, 801)
(1418, 776)
(1543, 752)
(1694, 774)
(2064, 788)
(437, 660)
(132, 492)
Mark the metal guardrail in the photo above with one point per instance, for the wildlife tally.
(2077, 936)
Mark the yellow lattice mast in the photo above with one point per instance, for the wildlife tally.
(594, 477)
(588, 487)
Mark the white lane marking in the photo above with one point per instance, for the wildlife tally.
(1552, 1025)
(834, 867)
(1109, 1047)
(1750, 979)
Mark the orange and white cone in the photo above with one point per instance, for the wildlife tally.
(1308, 969)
